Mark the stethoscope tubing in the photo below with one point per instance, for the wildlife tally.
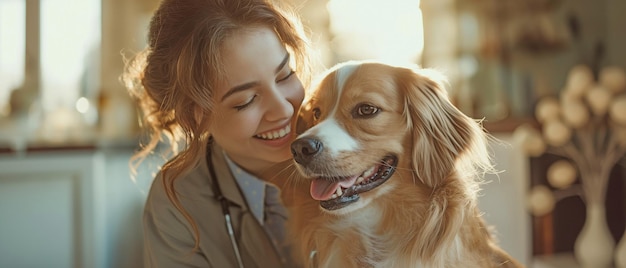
(225, 211)
(231, 233)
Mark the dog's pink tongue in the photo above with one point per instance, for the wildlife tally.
(322, 189)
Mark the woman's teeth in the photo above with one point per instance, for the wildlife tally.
(272, 135)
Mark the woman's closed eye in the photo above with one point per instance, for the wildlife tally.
(246, 104)
(253, 98)
(291, 73)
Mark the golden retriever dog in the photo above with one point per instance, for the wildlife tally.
(388, 172)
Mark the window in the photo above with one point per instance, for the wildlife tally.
(67, 54)
(12, 41)
(388, 30)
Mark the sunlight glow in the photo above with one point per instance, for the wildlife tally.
(70, 38)
(389, 30)
(82, 105)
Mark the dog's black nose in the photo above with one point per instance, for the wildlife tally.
(304, 149)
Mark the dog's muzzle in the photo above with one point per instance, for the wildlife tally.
(333, 191)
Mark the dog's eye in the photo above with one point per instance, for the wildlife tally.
(317, 113)
(365, 110)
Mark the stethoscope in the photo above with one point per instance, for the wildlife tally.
(224, 202)
(217, 191)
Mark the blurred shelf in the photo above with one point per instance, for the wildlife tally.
(559, 260)
(8, 148)
(508, 125)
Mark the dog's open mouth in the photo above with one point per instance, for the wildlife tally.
(338, 192)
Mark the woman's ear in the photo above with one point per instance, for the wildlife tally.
(440, 132)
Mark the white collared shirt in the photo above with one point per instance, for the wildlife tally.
(253, 189)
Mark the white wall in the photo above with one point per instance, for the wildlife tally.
(124, 201)
(73, 208)
(503, 199)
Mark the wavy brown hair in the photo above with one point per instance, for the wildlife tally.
(173, 79)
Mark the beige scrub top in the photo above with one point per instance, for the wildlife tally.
(168, 237)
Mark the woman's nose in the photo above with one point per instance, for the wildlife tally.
(280, 107)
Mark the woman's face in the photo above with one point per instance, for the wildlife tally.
(257, 102)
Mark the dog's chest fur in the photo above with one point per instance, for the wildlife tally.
(357, 233)
(359, 240)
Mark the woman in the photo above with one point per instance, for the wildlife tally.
(220, 79)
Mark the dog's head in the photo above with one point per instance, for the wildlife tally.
(365, 120)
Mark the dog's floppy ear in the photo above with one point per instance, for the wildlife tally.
(442, 134)
(448, 150)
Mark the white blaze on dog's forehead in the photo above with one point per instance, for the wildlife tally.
(342, 74)
(334, 137)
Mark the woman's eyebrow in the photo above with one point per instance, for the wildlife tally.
(245, 86)
(239, 88)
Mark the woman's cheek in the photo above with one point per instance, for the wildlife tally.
(249, 122)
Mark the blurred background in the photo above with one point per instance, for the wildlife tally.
(68, 126)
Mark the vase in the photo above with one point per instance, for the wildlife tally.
(620, 252)
(594, 245)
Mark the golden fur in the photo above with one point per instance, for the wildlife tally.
(426, 214)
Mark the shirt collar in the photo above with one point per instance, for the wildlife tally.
(253, 189)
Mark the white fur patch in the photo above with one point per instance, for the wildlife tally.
(343, 74)
(334, 137)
